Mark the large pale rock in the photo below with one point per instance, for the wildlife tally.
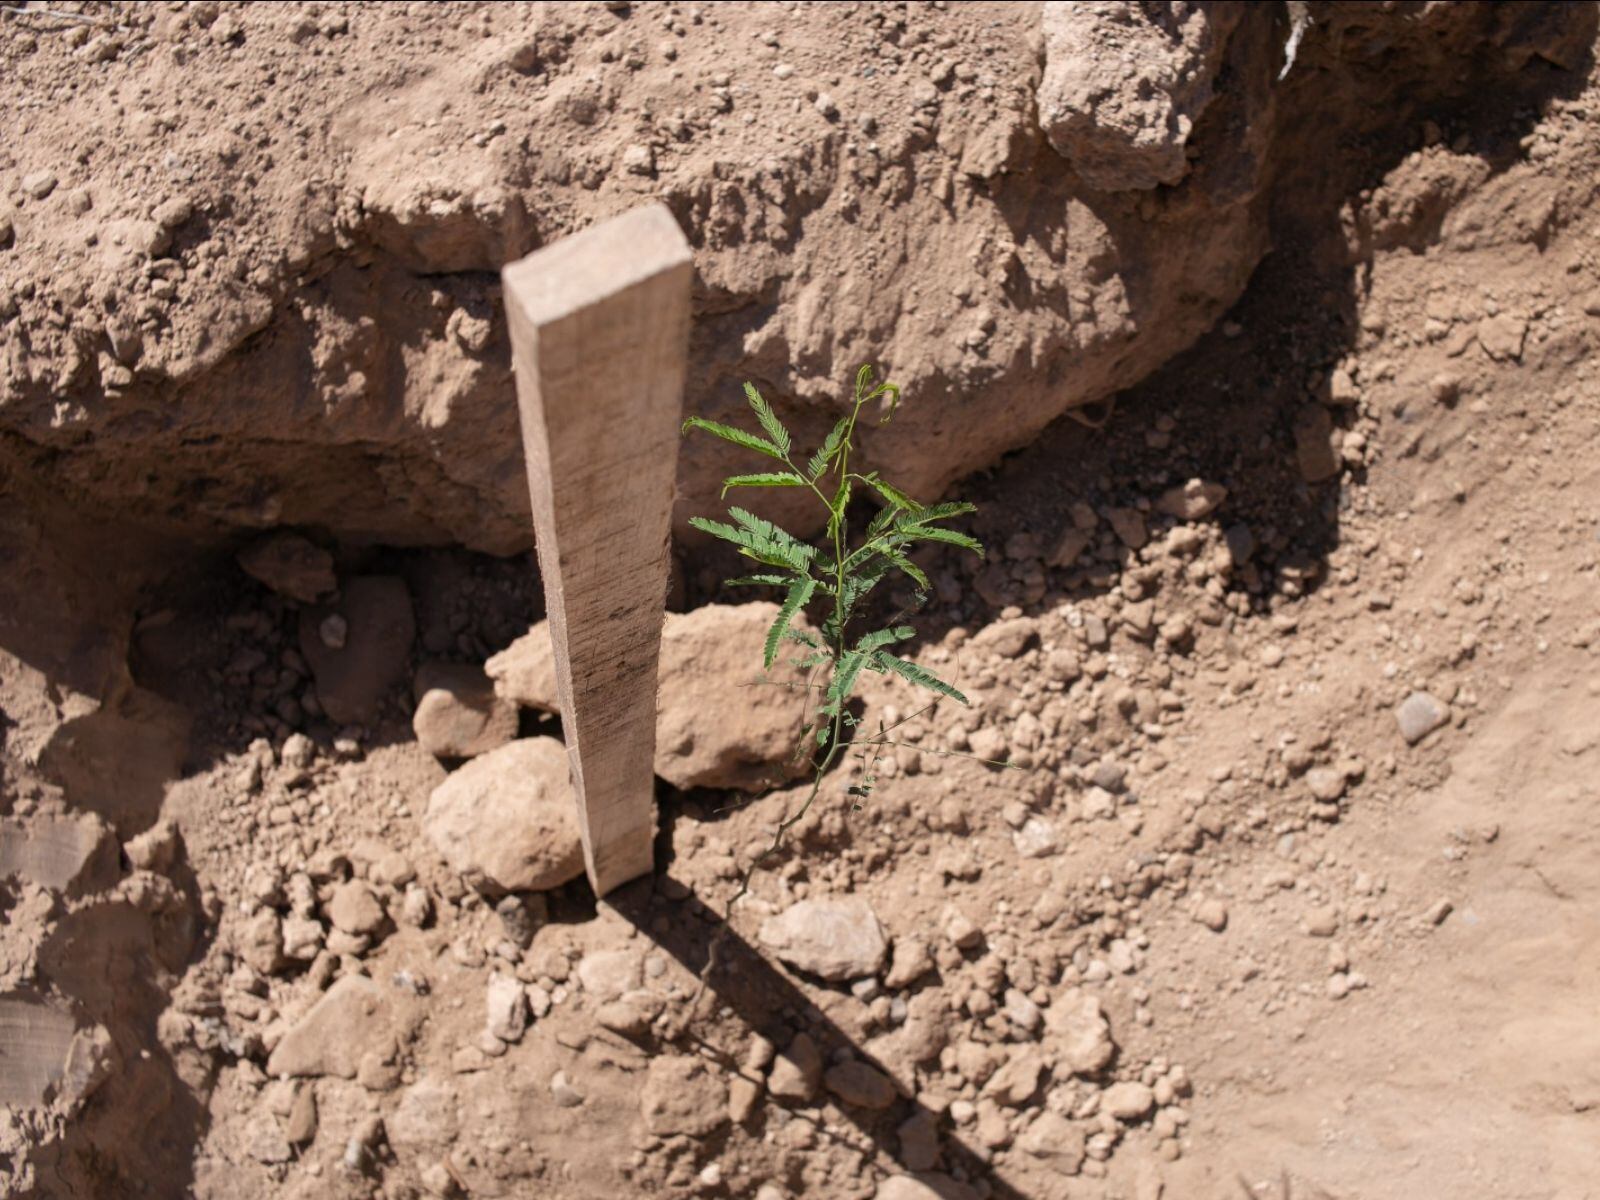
(458, 714)
(507, 820)
(352, 1017)
(1125, 82)
(720, 721)
(835, 939)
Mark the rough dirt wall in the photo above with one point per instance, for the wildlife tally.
(248, 252)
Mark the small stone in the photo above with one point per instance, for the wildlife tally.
(458, 714)
(518, 918)
(156, 849)
(607, 974)
(1213, 914)
(1128, 524)
(1036, 839)
(562, 1091)
(1055, 1140)
(1314, 438)
(1338, 985)
(1015, 1083)
(919, 1141)
(797, 1072)
(835, 939)
(1128, 1101)
(1326, 784)
(1323, 922)
(355, 909)
(910, 963)
(1438, 911)
(507, 1007)
(1022, 1012)
(265, 1141)
(1419, 715)
(1081, 1032)
(302, 1126)
(1192, 500)
(826, 105)
(1502, 336)
(682, 1096)
(333, 631)
(437, 1181)
(859, 1084)
(291, 566)
(260, 942)
(744, 1095)
(39, 184)
(639, 159)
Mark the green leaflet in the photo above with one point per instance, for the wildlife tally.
(769, 420)
(943, 512)
(884, 637)
(830, 447)
(763, 479)
(933, 533)
(759, 581)
(844, 680)
(896, 498)
(918, 576)
(841, 501)
(737, 436)
(920, 676)
(774, 553)
(799, 593)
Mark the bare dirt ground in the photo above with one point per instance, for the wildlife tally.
(1294, 893)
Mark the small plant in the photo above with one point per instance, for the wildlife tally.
(835, 578)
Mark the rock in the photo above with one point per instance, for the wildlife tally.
(1325, 783)
(1129, 526)
(1419, 715)
(607, 974)
(302, 1125)
(350, 1018)
(156, 849)
(1125, 83)
(353, 679)
(1322, 922)
(507, 1008)
(260, 942)
(1081, 1032)
(525, 672)
(302, 937)
(1128, 1101)
(506, 821)
(683, 1096)
(1009, 638)
(639, 159)
(1022, 1012)
(1213, 914)
(1502, 335)
(47, 1056)
(562, 1091)
(797, 1072)
(860, 1084)
(706, 656)
(835, 939)
(910, 963)
(425, 1119)
(458, 714)
(1016, 1083)
(264, 1141)
(291, 566)
(1192, 500)
(1036, 839)
(74, 854)
(1314, 446)
(39, 184)
(354, 908)
(1057, 1141)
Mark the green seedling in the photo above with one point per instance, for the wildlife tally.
(832, 581)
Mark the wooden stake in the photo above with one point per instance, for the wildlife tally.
(599, 337)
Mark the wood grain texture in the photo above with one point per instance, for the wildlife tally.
(599, 332)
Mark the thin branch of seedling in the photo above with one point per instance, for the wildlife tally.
(836, 577)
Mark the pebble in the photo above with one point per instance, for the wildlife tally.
(355, 909)
(562, 1091)
(1192, 500)
(39, 184)
(1128, 1101)
(507, 1008)
(860, 1084)
(836, 939)
(1213, 914)
(1325, 783)
(1419, 715)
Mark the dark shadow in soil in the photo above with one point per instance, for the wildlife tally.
(763, 999)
